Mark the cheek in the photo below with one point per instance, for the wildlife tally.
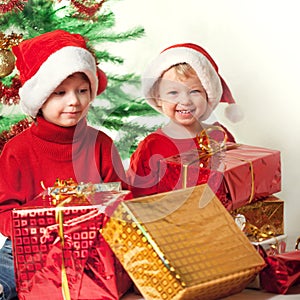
(203, 104)
(51, 107)
(168, 107)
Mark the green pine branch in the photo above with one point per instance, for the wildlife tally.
(7, 121)
(113, 108)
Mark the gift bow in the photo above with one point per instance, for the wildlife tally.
(80, 193)
(209, 145)
(259, 234)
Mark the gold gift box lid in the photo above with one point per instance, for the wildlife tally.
(182, 245)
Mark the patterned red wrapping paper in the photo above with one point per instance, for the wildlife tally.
(237, 176)
(92, 270)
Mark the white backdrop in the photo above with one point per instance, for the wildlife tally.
(256, 46)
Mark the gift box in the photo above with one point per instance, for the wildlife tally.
(59, 252)
(238, 174)
(182, 245)
(282, 270)
(262, 219)
(271, 246)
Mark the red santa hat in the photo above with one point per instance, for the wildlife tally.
(48, 59)
(206, 70)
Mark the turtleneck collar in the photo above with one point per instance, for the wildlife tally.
(62, 135)
(56, 142)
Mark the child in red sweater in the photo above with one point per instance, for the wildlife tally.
(59, 78)
(182, 83)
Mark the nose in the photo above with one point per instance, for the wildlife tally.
(184, 99)
(73, 99)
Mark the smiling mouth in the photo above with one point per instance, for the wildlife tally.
(185, 112)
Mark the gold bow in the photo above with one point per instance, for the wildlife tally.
(209, 145)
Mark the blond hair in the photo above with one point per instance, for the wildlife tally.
(182, 70)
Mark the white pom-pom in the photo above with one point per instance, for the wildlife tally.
(234, 113)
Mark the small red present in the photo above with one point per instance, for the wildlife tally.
(282, 271)
(60, 253)
(238, 174)
(271, 246)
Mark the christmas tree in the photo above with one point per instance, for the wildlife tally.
(94, 20)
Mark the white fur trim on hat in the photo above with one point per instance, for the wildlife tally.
(203, 68)
(53, 71)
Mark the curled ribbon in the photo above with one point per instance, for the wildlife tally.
(261, 234)
(82, 193)
(64, 189)
(209, 145)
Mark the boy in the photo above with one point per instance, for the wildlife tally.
(183, 83)
(59, 78)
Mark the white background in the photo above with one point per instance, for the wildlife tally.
(256, 46)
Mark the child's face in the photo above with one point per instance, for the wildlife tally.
(69, 102)
(183, 100)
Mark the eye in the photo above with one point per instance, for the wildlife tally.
(195, 92)
(59, 93)
(83, 91)
(172, 93)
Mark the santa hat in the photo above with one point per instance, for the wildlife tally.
(48, 59)
(206, 70)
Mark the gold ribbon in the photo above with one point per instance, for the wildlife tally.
(252, 175)
(63, 189)
(65, 192)
(209, 146)
(60, 221)
(261, 234)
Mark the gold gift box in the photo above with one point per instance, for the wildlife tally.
(182, 245)
(266, 215)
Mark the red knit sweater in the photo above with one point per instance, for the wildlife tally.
(143, 172)
(45, 152)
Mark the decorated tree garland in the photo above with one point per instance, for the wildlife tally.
(11, 5)
(93, 19)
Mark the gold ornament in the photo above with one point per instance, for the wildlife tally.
(7, 62)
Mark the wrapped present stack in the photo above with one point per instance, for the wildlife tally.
(245, 179)
(59, 252)
(263, 224)
(182, 245)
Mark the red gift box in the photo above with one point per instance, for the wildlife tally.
(239, 175)
(60, 253)
(282, 271)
